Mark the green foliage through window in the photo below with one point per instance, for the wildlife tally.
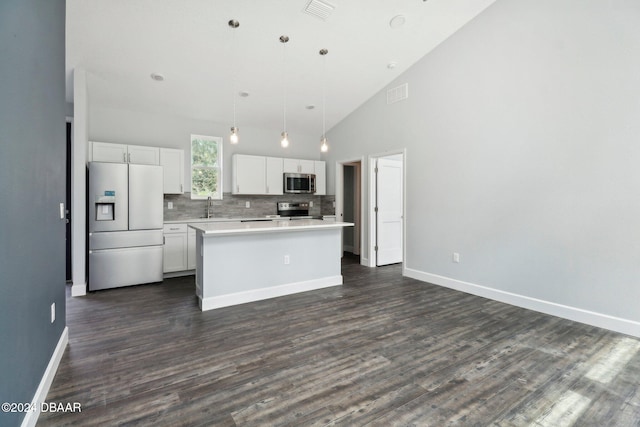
(206, 167)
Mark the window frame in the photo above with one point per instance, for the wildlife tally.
(217, 195)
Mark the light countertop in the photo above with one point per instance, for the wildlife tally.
(231, 219)
(249, 227)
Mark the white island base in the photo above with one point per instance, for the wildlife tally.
(244, 262)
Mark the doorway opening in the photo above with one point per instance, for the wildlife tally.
(349, 206)
(69, 274)
(386, 208)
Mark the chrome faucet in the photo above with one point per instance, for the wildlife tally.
(209, 206)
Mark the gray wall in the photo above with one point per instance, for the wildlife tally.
(521, 133)
(32, 183)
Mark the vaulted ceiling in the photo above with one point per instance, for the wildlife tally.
(206, 64)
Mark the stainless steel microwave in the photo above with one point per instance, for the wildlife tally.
(299, 183)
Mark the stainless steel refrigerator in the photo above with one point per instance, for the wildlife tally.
(125, 224)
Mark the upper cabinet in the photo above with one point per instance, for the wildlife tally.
(172, 162)
(106, 152)
(320, 170)
(298, 166)
(256, 175)
(248, 174)
(122, 153)
(275, 181)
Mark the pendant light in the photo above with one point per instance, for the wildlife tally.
(323, 140)
(233, 138)
(284, 141)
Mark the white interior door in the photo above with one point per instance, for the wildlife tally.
(389, 213)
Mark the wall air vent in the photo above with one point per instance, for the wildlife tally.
(398, 93)
(320, 9)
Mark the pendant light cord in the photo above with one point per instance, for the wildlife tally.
(284, 84)
(234, 71)
(324, 93)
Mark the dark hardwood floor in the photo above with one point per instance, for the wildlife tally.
(381, 350)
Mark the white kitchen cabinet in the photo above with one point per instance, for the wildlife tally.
(321, 177)
(175, 247)
(298, 166)
(191, 249)
(172, 162)
(142, 155)
(107, 152)
(274, 175)
(248, 175)
(122, 153)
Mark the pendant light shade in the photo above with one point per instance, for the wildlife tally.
(284, 141)
(234, 135)
(324, 146)
(233, 138)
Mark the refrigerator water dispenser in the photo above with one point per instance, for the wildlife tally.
(105, 208)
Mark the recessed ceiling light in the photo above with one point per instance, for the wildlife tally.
(243, 94)
(157, 77)
(397, 21)
(310, 107)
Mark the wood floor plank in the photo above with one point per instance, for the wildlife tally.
(380, 350)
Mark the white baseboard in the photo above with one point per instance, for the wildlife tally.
(45, 383)
(600, 320)
(78, 290)
(266, 293)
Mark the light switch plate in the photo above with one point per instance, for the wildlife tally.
(61, 210)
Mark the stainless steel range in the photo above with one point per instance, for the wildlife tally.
(298, 210)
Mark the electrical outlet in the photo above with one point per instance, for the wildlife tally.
(334, 204)
(456, 257)
(287, 260)
(247, 204)
(53, 312)
(311, 204)
(169, 205)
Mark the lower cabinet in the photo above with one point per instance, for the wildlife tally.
(175, 248)
(179, 248)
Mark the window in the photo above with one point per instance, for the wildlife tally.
(206, 167)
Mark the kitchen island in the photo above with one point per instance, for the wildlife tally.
(239, 262)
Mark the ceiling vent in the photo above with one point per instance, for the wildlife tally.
(319, 9)
(398, 93)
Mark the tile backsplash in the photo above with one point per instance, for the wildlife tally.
(235, 206)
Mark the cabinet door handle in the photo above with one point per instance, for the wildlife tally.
(163, 240)
(124, 157)
(129, 157)
(267, 189)
(181, 190)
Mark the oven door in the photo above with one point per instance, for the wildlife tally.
(299, 183)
